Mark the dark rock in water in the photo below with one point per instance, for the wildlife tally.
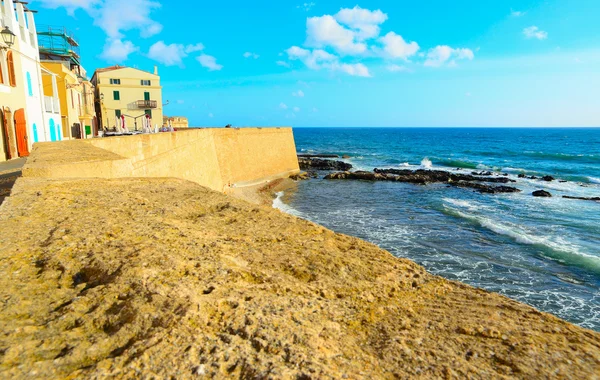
(522, 175)
(595, 199)
(563, 181)
(487, 189)
(316, 163)
(424, 177)
(345, 156)
(541, 193)
(483, 173)
(312, 174)
(533, 177)
(548, 178)
(318, 156)
(436, 176)
(300, 176)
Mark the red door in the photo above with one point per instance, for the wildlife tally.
(21, 132)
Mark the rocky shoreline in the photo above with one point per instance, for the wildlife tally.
(477, 181)
(181, 281)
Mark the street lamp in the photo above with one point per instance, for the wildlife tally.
(8, 38)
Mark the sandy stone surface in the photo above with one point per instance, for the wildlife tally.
(161, 278)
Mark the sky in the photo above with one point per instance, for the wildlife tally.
(369, 63)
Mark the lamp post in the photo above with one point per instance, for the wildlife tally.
(8, 38)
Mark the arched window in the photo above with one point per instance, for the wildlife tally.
(12, 79)
(29, 87)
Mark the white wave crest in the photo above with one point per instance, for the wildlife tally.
(594, 180)
(280, 205)
(426, 163)
(563, 249)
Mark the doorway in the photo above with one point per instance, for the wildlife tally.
(21, 133)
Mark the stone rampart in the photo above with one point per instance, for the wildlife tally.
(216, 158)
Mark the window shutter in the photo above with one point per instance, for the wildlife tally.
(12, 79)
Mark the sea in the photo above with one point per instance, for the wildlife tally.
(544, 252)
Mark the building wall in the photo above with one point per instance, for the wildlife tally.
(28, 92)
(130, 91)
(70, 95)
(216, 158)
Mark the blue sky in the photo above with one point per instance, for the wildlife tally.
(360, 63)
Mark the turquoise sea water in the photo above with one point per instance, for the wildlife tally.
(541, 251)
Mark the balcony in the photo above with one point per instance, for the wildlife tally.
(143, 104)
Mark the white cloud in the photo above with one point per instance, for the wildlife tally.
(298, 93)
(356, 69)
(535, 32)
(514, 13)
(173, 54)
(443, 54)
(397, 68)
(70, 5)
(320, 59)
(194, 48)
(325, 31)
(115, 17)
(251, 55)
(314, 59)
(306, 6)
(365, 22)
(296, 109)
(117, 50)
(394, 46)
(283, 106)
(209, 62)
(282, 63)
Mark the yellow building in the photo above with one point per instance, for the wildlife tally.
(76, 99)
(125, 92)
(177, 122)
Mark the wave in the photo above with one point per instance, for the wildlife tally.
(554, 248)
(280, 205)
(456, 163)
(589, 158)
(593, 180)
(426, 163)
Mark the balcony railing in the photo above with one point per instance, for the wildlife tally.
(146, 104)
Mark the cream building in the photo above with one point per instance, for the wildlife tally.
(177, 122)
(29, 112)
(125, 92)
(76, 97)
(59, 52)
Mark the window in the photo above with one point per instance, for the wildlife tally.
(149, 113)
(29, 86)
(115, 81)
(12, 79)
(1, 73)
(116, 95)
(118, 113)
(146, 96)
(146, 82)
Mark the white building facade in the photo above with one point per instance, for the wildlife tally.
(27, 107)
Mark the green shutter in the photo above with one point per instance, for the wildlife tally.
(116, 95)
(118, 113)
(149, 113)
(146, 96)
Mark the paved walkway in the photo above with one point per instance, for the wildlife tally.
(12, 166)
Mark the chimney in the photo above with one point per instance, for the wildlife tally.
(155, 70)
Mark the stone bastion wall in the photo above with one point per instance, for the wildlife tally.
(216, 158)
